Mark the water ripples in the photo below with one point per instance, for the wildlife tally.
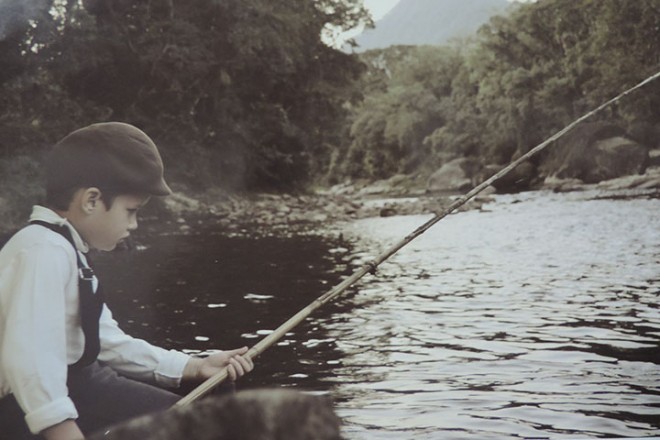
(536, 318)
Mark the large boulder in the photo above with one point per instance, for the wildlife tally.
(521, 178)
(393, 185)
(615, 157)
(595, 152)
(248, 415)
(456, 175)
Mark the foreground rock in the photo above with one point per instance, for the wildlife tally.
(248, 415)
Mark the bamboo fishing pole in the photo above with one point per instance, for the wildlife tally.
(370, 267)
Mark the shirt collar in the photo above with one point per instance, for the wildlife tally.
(48, 215)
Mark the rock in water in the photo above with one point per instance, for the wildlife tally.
(247, 415)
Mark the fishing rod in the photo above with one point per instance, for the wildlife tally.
(370, 267)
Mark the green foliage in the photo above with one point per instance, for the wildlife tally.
(240, 93)
(245, 94)
(20, 186)
(409, 100)
(524, 77)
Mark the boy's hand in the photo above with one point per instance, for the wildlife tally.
(202, 368)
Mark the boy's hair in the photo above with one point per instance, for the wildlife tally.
(115, 157)
(61, 200)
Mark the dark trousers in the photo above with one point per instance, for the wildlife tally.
(101, 397)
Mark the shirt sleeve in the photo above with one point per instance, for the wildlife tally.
(34, 348)
(137, 358)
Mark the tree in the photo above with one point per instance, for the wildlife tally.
(525, 76)
(236, 92)
(390, 129)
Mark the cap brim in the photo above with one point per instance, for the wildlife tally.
(161, 189)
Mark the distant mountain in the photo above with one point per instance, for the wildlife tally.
(416, 22)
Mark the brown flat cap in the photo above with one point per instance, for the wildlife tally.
(111, 155)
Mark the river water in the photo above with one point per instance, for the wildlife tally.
(535, 316)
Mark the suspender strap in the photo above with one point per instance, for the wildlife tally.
(91, 303)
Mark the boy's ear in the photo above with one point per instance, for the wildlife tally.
(91, 198)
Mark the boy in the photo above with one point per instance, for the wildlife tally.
(66, 369)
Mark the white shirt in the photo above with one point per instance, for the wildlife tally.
(40, 333)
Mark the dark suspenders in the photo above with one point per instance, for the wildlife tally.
(91, 303)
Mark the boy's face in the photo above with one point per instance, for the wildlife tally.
(105, 228)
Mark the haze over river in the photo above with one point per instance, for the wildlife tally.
(536, 316)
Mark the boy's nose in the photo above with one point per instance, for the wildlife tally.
(132, 226)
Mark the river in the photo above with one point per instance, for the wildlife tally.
(535, 316)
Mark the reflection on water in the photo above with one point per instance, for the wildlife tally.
(208, 291)
(536, 317)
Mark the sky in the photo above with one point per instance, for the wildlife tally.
(379, 8)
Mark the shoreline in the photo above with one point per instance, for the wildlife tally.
(259, 214)
(267, 214)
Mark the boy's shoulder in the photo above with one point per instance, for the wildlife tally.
(5, 236)
(32, 237)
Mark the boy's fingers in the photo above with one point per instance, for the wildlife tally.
(234, 352)
(237, 366)
(232, 372)
(247, 363)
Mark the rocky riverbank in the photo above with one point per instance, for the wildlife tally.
(264, 214)
(186, 212)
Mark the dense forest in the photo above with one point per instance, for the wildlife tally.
(245, 94)
(494, 97)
